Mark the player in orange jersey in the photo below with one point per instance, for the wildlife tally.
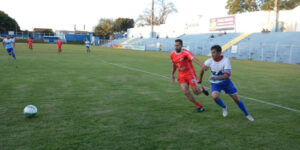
(29, 42)
(59, 45)
(182, 60)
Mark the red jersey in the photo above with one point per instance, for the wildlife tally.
(183, 61)
(59, 42)
(30, 41)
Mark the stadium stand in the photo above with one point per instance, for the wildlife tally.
(283, 47)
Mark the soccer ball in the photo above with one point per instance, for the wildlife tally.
(30, 111)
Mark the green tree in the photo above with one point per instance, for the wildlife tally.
(122, 24)
(7, 23)
(104, 28)
(241, 6)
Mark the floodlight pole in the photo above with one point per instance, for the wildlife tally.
(276, 12)
(152, 18)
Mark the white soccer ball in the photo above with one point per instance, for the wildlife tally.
(30, 111)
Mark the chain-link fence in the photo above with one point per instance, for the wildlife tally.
(282, 53)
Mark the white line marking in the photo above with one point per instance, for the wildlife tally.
(165, 77)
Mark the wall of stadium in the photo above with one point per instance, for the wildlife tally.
(289, 21)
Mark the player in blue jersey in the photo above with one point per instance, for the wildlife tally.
(9, 45)
(220, 80)
(87, 45)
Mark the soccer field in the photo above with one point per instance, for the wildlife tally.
(123, 99)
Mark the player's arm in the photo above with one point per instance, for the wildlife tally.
(225, 77)
(3, 44)
(199, 63)
(14, 44)
(174, 68)
(201, 74)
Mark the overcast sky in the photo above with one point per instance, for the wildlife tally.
(64, 14)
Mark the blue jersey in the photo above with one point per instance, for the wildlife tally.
(8, 43)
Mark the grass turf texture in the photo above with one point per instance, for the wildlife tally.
(84, 103)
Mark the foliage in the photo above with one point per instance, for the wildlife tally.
(7, 23)
(241, 6)
(122, 24)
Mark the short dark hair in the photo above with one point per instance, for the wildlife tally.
(180, 41)
(218, 48)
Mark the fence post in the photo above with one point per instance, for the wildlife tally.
(275, 56)
(262, 53)
(290, 60)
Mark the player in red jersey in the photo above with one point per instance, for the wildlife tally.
(30, 41)
(182, 60)
(59, 45)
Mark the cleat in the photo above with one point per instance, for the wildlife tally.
(200, 109)
(204, 91)
(249, 117)
(225, 112)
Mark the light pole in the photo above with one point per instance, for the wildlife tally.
(276, 12)
(152, 18)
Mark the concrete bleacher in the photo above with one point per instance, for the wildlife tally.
(283, 47)
(115, 42)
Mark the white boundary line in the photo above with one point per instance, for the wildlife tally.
(165, 77)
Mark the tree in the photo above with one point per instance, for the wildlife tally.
(7, 23)
(163, 8)
(282, 4)
(240, 6)
(104, 28)
(122, 24)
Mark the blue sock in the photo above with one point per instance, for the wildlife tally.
(219, 102)
(14, 56)
(243, 108)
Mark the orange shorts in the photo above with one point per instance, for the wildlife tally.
(189, 79)
(59, 46)
(29, 45)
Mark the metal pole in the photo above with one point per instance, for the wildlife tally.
(152, 18)
(262, 53)
(291, 52)
(276, 52)
(276, 12)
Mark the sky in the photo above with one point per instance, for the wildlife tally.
(64, 14)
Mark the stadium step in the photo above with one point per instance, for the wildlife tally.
(234, 41)
(125, 42)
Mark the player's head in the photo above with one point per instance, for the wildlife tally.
(178, 45)
(216, 52)
(7, 36)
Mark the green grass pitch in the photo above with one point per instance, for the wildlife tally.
(116, 99)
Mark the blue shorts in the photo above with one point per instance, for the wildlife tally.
(226, 85)
(9, 50)
(87, 46)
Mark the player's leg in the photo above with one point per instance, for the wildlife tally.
(14, 55)
(242, 106)
(186, 91)
(232, 91)
(215, 93)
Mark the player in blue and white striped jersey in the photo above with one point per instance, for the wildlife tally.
(220, 80)
(9, 45)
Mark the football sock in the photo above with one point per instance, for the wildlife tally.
(14, 56)
(220, 103)
(198, 104)
(243, 108)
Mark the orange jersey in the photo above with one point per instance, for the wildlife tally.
(183, 62)
(59, 42)
(30, 41)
